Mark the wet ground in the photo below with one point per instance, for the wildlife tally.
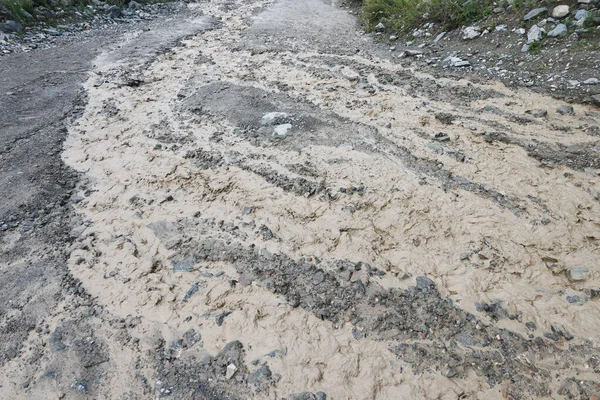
(266, 206)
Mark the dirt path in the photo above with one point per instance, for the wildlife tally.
(271, 206)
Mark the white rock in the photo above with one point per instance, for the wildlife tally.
(535, 34)
(471, 32)
(501, 28)
(560, 11)
(282, 130)
(456, 62)
(439, 37)
(591, 81)
(231, 369)
(521, 31)
(559, 30)
(271, 118)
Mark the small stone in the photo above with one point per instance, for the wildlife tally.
(380, 27)
(537, 113)
(11, 27)
(591, 81)
(534, 13)
(231, 369)
(456, 62)
(471, 32)
(247, 210)
(413, 52)
(266, 253)
(282, 130)
(552, 336)
(531, 326)
(425, 283)
(463, 256)
(439, 37)
(449, 372)
(441, 137)
(577, 274)
(581, 14)
(560, 11)
(565, 110)
(558, 31)
(535, 34)
(560, 330)
(318, 278)
(576, 299)
(596, 99)
(114, 12)
(273, 118)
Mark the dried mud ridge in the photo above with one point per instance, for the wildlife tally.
(268, 215)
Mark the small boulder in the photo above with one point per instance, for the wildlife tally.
(10, 27)
(596, 99)
(471, 32)
(577, 274)
(534, 13)
(559, 30)
(535, 34)
(565, 110)
(581, 14)
(560, 11)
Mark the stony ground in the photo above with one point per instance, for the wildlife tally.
(249, 199)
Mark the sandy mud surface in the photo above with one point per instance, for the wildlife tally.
(270, 208)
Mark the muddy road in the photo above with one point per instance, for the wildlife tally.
(260, 203)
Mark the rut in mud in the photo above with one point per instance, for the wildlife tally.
(273, 193)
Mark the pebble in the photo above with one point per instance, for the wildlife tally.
(591, 81)
(558, 31)
(565, 110)
(534, 13)
(456, 62)
(471, 32)
(596, 99)
(535, 34)
(560, 11)
(231, 370)
(581, 14)
(577, 274)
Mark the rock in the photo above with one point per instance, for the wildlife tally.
(499, 10)
(596, 99)
(441, 137)
(471, 32)
(456, 62)
(537, 113)
(525, 48)
(413, 52)
(530, 325)
(565, 110)
(561, 331)
(247, 210)
(191, 292)
(501, 28)
(302, 396)
(534, 13)
(449, 372)
(425, 283)
(114, 12)
(521, 31)
(584, 1)
(591, 81)
(380, 27)
(581, 14)
(560, 11)
(273, 118)
(134, 5)
(439, 37)
(321, 396)
(231, 369)
(261, 376)
(11, 27)
(282, 130)
(577, 274)
(559, 30)
(552, 336)
(535, 34)
(576, 299)
(463, 256)
(318, 278)
(220, 318)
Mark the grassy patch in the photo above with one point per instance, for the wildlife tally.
(404, 15)
(17, 10)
